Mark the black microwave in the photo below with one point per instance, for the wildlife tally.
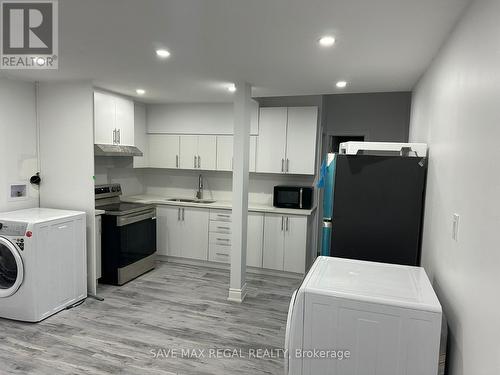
(300, 197)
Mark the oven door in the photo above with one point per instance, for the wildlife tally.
(137, 237)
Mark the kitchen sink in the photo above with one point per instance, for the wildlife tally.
(188, 200)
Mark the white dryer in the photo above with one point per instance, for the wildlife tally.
(42, 262)
(358, 317)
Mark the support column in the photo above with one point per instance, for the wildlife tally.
(241, 151)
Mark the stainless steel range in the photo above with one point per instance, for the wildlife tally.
(128, 236)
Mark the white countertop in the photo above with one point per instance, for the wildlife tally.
(99, 212)
(221, 205)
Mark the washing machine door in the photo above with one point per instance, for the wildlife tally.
(11, 268)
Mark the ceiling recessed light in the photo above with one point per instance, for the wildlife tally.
(341, 84)
(162, 53)
(140, 91)
(231, 87)
(326, 41)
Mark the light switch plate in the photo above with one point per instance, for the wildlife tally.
(456, 221)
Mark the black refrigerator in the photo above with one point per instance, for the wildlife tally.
(378, 208)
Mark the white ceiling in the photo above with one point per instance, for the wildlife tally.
(382, 45)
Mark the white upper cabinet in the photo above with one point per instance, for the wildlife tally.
(287, 140)
(271, 144)
(104, 118)
(113, 119)
(164, 151)
(225, 153)
(198, 152)
(125, 121)
(207, 152)
(301, 140)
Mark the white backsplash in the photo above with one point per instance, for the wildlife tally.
(182, 183)
(119, 170)
(217, 185)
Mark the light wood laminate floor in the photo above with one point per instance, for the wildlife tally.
(175, 308)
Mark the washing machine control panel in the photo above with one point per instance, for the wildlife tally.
(12, 228)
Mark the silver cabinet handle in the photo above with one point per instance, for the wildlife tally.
(287, 164)
(221, 215)
(199, 161)
(227, 228)
(223, 239)
(178, 214)
(282, 223)
(282, 165)
(183, 214)
(119, 136)
(287, 224)
(222, 254)
(176, 161)
(114, 136)
(194, 161)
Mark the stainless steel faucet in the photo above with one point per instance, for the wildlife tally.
(199, 193)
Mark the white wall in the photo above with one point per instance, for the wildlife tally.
(67, 150)
(18, 154)
(196, 118)
(456, 110)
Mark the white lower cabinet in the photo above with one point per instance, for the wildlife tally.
(276, 242)
(182, 232)
(220, 237)
(285, 243)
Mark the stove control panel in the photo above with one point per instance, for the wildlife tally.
(109, 190)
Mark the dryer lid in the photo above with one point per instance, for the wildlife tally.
(11, 268)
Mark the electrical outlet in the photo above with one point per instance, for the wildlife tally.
(456, 221)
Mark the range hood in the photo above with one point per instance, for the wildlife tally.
(116, 150)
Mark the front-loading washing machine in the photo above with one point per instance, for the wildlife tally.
(42, 262)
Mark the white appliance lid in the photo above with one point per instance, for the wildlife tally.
(37, 215)
(382, 283)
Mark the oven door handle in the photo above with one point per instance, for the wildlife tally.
(127, 220)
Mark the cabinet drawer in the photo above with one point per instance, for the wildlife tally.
(220, 227)
(219, 253)
(220, 215)
(220, 238)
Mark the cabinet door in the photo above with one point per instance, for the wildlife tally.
(295, 244)
(169, 236)
(271, 144)
(195, 233)
(301, 140)
(253, 152)
(163, 151)
(188, 151)
(225, 153)
(104, 118)
(274, 227)
(207, 152)
(125, 120)
(254, 239)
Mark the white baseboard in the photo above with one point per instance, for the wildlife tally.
(237, 295)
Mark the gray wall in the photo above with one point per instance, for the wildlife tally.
(377, 116)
